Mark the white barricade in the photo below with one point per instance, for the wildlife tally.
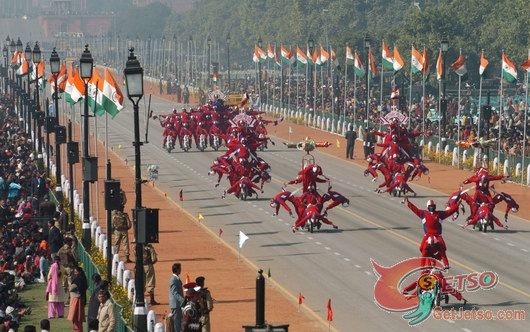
(115, 262)
(506, 170)
(130, 290)
(119, 275)
(518, 168)
(454, 162)
(127, 275)
(495, 163)
(151, 320)
(429, 146)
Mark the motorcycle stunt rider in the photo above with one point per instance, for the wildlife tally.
(185, 130)
(485, 210)
(201, 130)
(169, 131)
(432, 228)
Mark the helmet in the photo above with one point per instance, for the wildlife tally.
(369, 159)
(201, 124)
(431, 206)
(515, 209)
(174, 111)
(346, 203)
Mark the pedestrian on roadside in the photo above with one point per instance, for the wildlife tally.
(106, 317)
(150, 258)
(93, 303)
(176, 297)
(121, 223)
(350, 136)
(55, 294)
(206, 303)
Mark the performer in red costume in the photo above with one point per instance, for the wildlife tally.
(432, 228)
(445, 287)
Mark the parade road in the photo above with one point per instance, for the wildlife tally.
(336, 263)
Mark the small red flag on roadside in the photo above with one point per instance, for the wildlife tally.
(300, 298)
(181, 195)
(330, 311)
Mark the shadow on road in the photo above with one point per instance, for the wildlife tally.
(288, 244)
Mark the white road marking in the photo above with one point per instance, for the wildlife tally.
(450, 321)
(497, 239)
(511, 244)
(524, 250)
(336, 253)
(318, 243)
(346, 259)
(261, 209)
(466, 330)
(368, 273)
(327, 248)
(280, 219)
(357, 266)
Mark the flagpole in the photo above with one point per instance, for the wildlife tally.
(268, 80)
(281, 77)
(330, 66)
(524, 127)
(500, 120)
(479, 102)
(297, 101)
(439, 118)
(322, 84)
(423, 99)
(368, 72)
(315, 91)
(458, 120)
(354, 92)
(345, 90)
(381, 87)
(410, 89)
(290, 72)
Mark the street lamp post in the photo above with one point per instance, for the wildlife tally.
(443, 102)
(209, 41)
(37, 57)
(55, 64)
(135, 90)
(22, 112)
(260, 44)
(86, 68)
(311, 45)
(27, 54)
(367, 46)
(5, 53)
(228, 59)
(12, 49)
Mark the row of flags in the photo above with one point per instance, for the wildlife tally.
(103, 93)
(391, 61)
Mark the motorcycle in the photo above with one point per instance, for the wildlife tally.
(186, 143)
(215, 142)
(311, 223)
(170, 144)
(247, 192)
(202, 142)
(262, 146)
(485, 218)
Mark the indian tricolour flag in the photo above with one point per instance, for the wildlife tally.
(112, 100)
(324, 55)
(439, 66)
(315, 58)
(483, 64)
(95, 91)
(75, 88)
(300, 56)
(388, 61)
(358, 65)
(398, 60)
(287, 55)
(509, 72)
(349, 54)
(334, 59)
(416, 61)
(526, 65)
(270, 52)
(459, 66)
(372, 65)
(259, 55)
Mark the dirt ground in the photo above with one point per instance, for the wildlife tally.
(202, 252)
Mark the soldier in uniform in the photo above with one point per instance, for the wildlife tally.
(206, 303)
(150, 258)
(121, 223)
(68, 262)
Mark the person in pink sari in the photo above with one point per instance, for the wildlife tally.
(54, 291)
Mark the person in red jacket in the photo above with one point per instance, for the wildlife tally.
(485, 210)
(399, 181)
(281, 200)
(312, 211)
(432, 229)
(335, 198)
(185, 130)
(236, 187)
(201, 130)
(169, 131)
(511, 204)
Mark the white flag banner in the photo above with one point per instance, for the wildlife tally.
(242, 239)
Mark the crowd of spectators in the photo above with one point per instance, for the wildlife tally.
(328, 97)
(25, 211)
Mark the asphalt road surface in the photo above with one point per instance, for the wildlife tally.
(336, 263)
